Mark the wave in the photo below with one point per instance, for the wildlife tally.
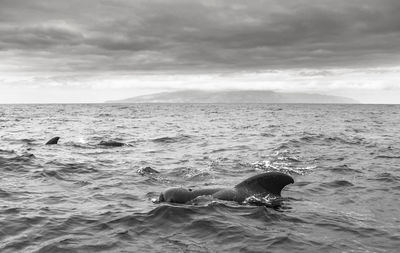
(344, 169)
(336, 184)
(18, 163)
(4, 193)
(285, 162)
(173, 139)
(282, 167)
(323, 140)
(75, 168)
(387, 177)
(198, 227)
(231, 148)
(388, 156)
(190, 174)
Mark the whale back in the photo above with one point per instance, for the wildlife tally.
(111, 143)
(270, 182)
(183, 195)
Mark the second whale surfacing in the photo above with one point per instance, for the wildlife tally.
(270, 183)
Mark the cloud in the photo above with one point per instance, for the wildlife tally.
(157, 44)
(42, 36)
(201, 36)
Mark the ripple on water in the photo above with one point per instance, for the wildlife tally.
(387, 177)
(337, 184)
(174, 139)
(344, 169)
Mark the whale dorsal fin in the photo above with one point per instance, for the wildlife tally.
(53, 140)
(270, 182)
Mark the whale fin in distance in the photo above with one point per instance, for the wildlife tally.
(270, 182)
(53, 140)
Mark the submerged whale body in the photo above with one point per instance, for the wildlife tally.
(111, 143)
(267, 183)
(53, 140)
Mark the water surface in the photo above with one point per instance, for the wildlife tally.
(78, 196)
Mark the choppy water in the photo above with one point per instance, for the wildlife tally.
(78, 196)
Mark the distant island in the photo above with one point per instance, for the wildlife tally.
(236, 96)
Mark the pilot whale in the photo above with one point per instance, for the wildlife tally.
(55, 140)
(270, 183)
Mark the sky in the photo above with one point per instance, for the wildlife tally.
(91, 51)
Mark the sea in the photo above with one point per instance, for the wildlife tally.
(79, 196)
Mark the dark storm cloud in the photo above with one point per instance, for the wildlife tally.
(37, 37)
(194, 36)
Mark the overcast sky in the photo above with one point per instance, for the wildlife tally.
(91, 51)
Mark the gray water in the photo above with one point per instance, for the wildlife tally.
(78, 196)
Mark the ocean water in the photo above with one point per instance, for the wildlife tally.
(78, 196)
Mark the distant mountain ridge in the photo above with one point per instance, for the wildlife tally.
(236, 96)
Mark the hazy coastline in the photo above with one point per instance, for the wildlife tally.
(237, 96)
